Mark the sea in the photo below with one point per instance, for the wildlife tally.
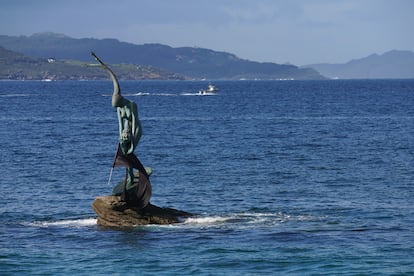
(283, 178)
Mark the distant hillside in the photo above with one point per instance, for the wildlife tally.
(16, 66)
(391, 65)
(193, 62)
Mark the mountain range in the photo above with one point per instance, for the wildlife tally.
(191, 62)
(57, 56)
(390, 65)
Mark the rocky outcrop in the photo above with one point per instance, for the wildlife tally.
(114, 213)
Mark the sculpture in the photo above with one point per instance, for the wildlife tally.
(135, 189)
(129, 203)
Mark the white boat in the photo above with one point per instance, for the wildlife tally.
(211, 90)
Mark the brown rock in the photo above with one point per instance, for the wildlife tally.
(114, 213)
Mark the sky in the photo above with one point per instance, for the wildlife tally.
(299, 32)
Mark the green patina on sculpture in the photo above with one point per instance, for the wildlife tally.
(129, 203)
(136, 188)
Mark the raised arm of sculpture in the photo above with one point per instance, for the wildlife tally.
(130, 130)
(117, 99)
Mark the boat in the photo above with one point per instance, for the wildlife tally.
(211, 90)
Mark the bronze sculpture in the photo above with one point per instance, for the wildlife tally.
(135, 189)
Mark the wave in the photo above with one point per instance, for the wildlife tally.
(26, 118)
(16, 95)
(66, 223)
(237, 220)
(178, 118)
(245, 220)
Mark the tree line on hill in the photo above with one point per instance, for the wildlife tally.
(151, 60)
(56, 56)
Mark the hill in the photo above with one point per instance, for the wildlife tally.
(390, 65)
(16, 66)
(193, 62)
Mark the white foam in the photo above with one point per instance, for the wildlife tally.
(236, 220)
(67, 223)
(189, 94)
(198, 94)
(137, 94)
(141, 94)
(206, 220)
(208, 94)
(246, 220)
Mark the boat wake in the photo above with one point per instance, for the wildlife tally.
(198, 94)
(142, 94)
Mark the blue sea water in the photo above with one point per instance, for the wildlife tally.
(286, 178)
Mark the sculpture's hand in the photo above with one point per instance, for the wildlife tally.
(97, 58)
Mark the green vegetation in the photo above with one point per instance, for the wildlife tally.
(16, 66)
(193, 62)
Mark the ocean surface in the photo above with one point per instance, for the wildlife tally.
(285, 178)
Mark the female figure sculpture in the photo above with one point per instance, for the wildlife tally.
(136, 188)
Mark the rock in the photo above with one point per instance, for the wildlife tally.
(114, 213)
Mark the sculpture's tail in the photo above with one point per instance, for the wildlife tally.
(129, 161)
(140, 195)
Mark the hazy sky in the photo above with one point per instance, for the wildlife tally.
(295, 31)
